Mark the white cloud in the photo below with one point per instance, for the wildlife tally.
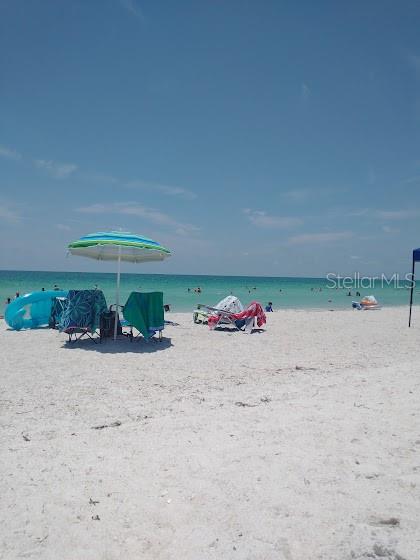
(261, 219)
(9, 215)
(392, 215)
(301, 195)
(100, 178)
(169, 190)
(371, 175)
(133, 7)
(319, 238)
(297, 195)
(359, 213)
(56, 169)
(150, 214)
(63, 227)
(414, 60)
(305, 92)
(388, 229)
(415, 179)
(9, 153)
(397, 214)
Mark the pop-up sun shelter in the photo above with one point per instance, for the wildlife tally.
(416, 258)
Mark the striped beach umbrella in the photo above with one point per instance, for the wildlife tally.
(118, 246)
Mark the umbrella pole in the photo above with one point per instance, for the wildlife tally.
(411, 293)
(117, 305)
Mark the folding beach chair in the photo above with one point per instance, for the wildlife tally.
(144, 311)
(229, 304)
(244, 320)
(82, 313)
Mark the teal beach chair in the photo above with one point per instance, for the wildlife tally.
(144, 311)
(81, 315)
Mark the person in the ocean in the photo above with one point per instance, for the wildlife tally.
(17, 295)
(8, 300)
(56, 288)
(269, 307)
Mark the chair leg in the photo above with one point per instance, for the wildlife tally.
(74, 338)
(89, 335)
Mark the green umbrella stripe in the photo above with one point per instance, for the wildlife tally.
(93, 243)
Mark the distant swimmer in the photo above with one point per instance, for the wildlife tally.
(56, 288)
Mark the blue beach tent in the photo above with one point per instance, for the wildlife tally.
(416, 258)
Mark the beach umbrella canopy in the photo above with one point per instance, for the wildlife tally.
(118, 246)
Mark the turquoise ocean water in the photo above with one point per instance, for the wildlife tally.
(299, 293)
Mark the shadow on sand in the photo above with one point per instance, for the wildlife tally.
(121, 345)
(232, 330)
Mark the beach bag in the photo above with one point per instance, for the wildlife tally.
(107, 323)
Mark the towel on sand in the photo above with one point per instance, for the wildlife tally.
(145, 312)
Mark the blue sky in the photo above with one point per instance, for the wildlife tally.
(272, 138)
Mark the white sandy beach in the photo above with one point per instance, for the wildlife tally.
(301, 442)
